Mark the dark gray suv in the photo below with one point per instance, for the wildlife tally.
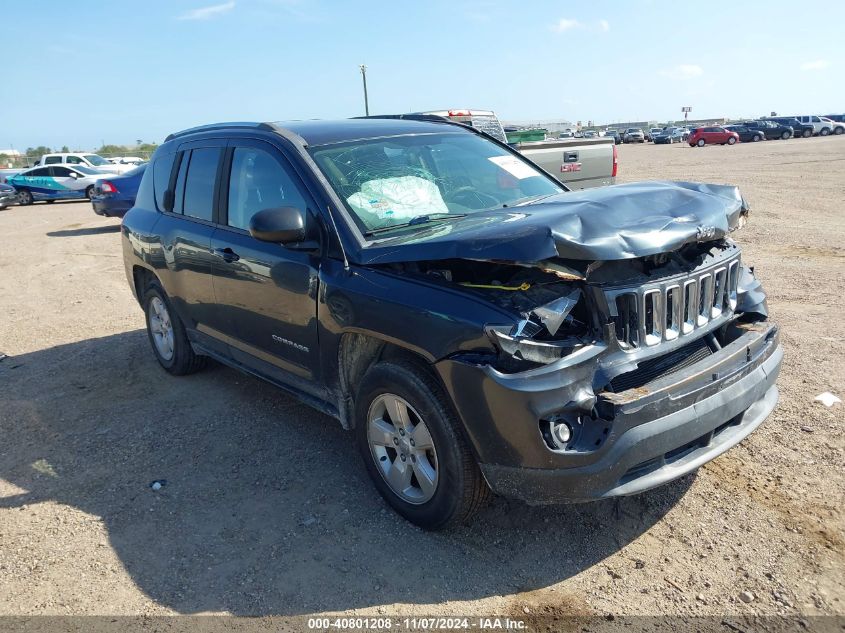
(479, 327)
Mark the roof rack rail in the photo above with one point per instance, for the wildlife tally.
(411, 116)
(222, 126)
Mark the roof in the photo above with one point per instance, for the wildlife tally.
(340, 131)
(323, 132)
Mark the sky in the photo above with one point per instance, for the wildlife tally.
(84, 73)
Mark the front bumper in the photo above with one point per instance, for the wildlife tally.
(645, 436)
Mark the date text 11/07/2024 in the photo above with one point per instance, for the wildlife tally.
(417, 624)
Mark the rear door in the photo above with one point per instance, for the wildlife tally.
(268, 291)
(186, 227)
(38, 182)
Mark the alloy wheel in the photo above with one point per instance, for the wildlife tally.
(161, 328)
(402, 448)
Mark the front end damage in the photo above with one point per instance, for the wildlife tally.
(639, 346)
(615, 376)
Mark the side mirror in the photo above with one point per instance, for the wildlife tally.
(74, 175)
(280, 225)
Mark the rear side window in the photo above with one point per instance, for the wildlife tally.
(199, 183)
(59, 172)
(74, 160)
(258, 182)
(44, 171)
(52, 160)
(162, 169)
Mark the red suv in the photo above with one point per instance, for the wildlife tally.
(712, 136)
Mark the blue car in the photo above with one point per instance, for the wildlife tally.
(115, 195)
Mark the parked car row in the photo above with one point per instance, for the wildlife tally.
(111, 194)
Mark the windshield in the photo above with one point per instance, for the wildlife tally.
(96, 160)
(391, 181)
(87, 170)
(138, 170)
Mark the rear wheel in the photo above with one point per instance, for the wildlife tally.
(24, 197)
(414, 449)
(807, 133)
(167, 334)
(757, 138)
(700, 142)
(825, 131)
(785, 135)
(838, 131)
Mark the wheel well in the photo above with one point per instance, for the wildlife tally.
(356, 354)
(142, 278)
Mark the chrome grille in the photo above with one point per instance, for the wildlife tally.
(666, 310)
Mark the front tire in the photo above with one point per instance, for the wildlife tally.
(25, 197)
(414, 449)
(807, 134)
(731, 141)
(757, 138)
(167, 334)
(838, 131)
(825, 131)
(785, 135)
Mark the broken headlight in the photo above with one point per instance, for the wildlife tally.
(541, 337)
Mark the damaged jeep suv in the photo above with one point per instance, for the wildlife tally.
(476, 325)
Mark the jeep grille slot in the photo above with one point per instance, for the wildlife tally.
(666, 310)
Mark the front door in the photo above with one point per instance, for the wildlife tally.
(68, 187)
(268, 292)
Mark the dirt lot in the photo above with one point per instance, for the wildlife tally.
(267, 509)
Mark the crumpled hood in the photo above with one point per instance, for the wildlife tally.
(606, 223)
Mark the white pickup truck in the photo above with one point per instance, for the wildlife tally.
(579, 163)
(94, 161)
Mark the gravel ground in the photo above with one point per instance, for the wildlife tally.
(267, 510)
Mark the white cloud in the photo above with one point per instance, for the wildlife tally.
(818, 64)
(565, 24)
(682, 72)
(570, 24)
(206, 13)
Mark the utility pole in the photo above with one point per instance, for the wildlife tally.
(366, 102)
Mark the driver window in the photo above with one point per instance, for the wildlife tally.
(74, 160)
(258, 181)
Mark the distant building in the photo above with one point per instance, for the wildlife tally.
(12, 154)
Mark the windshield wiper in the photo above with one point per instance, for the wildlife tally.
(417, 219)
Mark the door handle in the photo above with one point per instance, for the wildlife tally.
(227, 254)
(570, 157)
